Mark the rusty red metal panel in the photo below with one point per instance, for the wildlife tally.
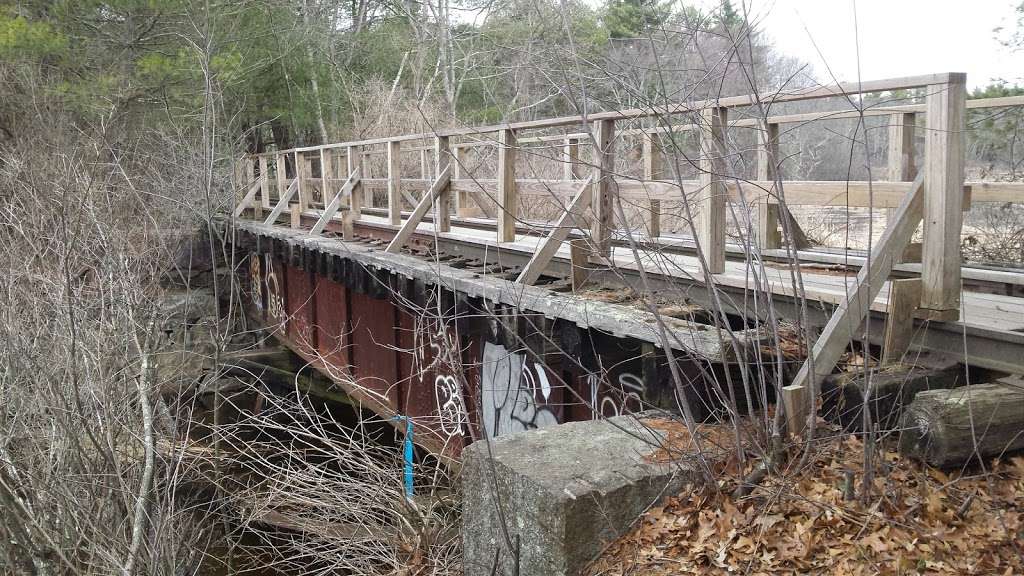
(432, 379)
(332, 321)
(300, 307)
(374, 358)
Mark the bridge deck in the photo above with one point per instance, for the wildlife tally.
(991, 312)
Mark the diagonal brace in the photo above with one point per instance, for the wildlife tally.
(420, 211)
(851, 312)
(549, 247)
(335, 204)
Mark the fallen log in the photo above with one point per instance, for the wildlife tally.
(891, 389)
(948, 428)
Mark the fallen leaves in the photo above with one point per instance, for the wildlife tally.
(915, 522)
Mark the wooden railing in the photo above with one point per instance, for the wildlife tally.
(341, 175)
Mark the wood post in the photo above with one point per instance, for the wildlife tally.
(296, 213)
(326, 175)
(579, 260)
(394, 182)
(442, 156)
(768, 236)
(335, 203)
(900, 156)
(904, 296)
(651, 154)
(463, 209)
(507, 197)
(603, 187)
(352, 164)
(711, 220)
(945, 105)
(300, 177)
(265, 184)
(571, 159)
(281, 167)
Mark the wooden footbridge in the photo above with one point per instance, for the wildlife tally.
(541, 249)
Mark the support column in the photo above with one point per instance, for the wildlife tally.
(603, 188)
(768, 236)
(651, 154)
(711, 221)
(442, 157)
(394, 182)
(282, 174)
(264, 185)
(571, 159)
(945, 107)
(508, 197)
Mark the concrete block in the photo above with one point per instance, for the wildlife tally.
(560, 494)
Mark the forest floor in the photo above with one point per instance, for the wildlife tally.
(915, 520)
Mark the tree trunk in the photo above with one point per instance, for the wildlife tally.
(947, 428)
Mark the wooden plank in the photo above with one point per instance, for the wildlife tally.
(296, 214)
(604, 188)
(571, 168)
(904, 296)
(332, 208)
(900, 155)
(943, 199)
(326, 174)
(405, 232)
(282, 202)
(265, 183)
(281, 167)
(442, 156)
(572, 217)
(652, 160)
(300, 177)
(394, 182)
(851, 311)
(352, 165)
(768, 236)
(508, 200)
(711, 219)
(796, 403)
(579, 262)
(249, 197)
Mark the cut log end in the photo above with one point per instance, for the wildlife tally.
(947, 428)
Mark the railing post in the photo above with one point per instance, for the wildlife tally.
(442, 156)
(351, 162)
(711, 221)
(507, 194)
(424, 165)
(651, 154)
(603, 188)
(264, 185)
(394, 182)
(326, 175)
(463, 209)
(945, 106)
(768, 236)
(902, 164)
(301, 185)
(571, 159)
(281, 167)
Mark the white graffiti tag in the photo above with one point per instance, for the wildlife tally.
(275, 302)
(450, 408)
(509, 388)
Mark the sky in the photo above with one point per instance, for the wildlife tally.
(892, 38)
